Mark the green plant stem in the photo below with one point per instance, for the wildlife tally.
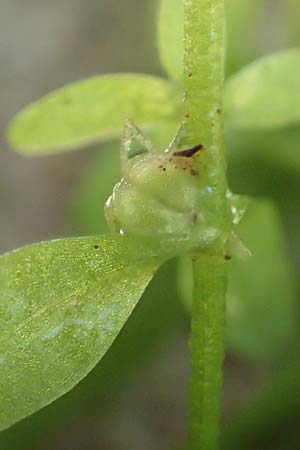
(207, 348)
(204, 73)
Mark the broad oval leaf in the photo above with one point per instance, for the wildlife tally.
(93, 110)
(265, 94)
(62, 305)
(170, 37)
(158, 315)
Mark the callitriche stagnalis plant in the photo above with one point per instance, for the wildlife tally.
(64, 302)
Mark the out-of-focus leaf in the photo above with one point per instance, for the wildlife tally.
(62, 305)
(244, 18)
(266, 93)
(95, 186)
(170, 37)
(94, 110)
(275, 148)
(268, 165)
(261, 291)
(261, 296)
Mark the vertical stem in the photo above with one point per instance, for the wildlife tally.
(204, 78)
(207, 348)
(204, 73)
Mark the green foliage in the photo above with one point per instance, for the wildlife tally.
(242, 18)
(170, 37)
(264, 94)
(94, 188)
(261, 293)
(93, 110)
(62, 305)
(158, 316)
(64, 302)
(274, 150)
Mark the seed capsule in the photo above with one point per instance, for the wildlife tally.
(163, 195)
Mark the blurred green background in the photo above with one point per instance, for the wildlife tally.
(136, 398)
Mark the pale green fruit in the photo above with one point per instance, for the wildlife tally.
(162, 195)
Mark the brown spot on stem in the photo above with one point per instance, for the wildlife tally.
(189, 152)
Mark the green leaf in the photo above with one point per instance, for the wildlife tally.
(276, 149)
(170, 37)
(93, 110)
(158, 315)
(261, 292)
(243, 19)
(96, 185)
(62, 305)
(266, 93)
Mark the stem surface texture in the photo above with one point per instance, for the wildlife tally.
(204, 77)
